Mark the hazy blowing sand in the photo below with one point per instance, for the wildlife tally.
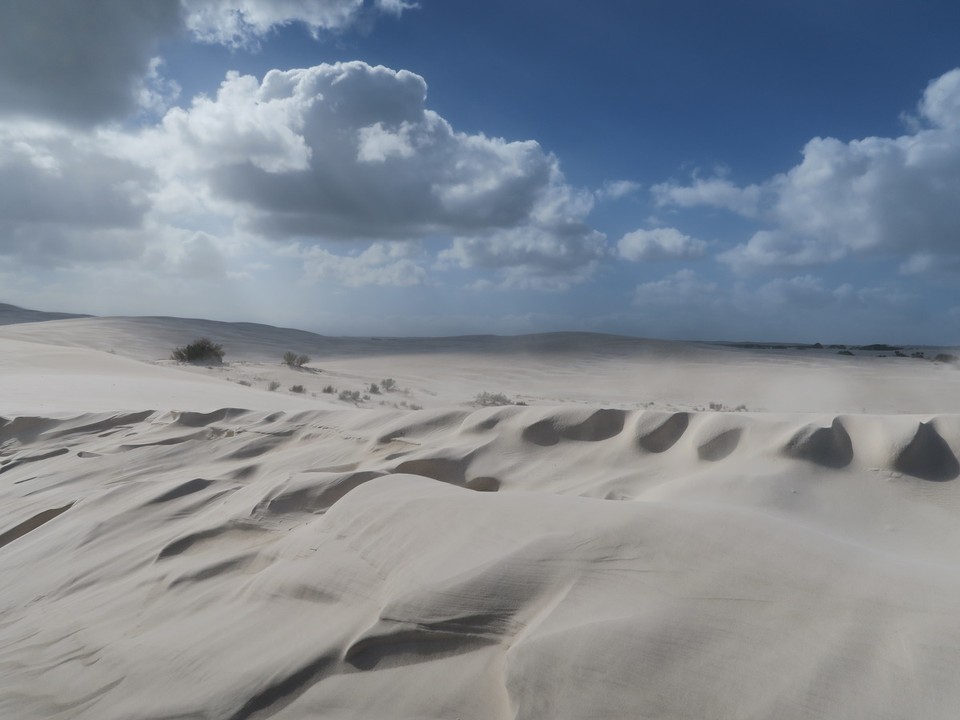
(175, 544)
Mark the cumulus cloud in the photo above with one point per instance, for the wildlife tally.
(618, 189)
(351, 152)
(241, 23)
(715, 192)
(871, 196)
(84, 63)
(156, 92)
(876, 195)
(659, 244)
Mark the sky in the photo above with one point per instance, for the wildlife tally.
(680, 169)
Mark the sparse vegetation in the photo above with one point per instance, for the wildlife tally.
(488, 399)
(245, 383)
(720, 407)
(945, 358)
(295, 361)
(298, 389)
(350, 396)
(374, 389)
(274, 385)
(329, 389)
(201, 351)
(388, 384)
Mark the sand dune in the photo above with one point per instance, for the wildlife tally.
(179, 545)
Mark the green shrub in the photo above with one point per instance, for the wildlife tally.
(294, 360)
(298, 389)
(273, 385)
(202, 351)
(487, 399)
(329, 389)
(374, 389)
(388, 384)
(350, 396)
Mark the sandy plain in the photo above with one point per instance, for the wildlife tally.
(662, 530)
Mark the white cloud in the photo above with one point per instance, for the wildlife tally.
(394, 264)
(659, 244)
(876, 195)
(156, 93)
(715, 192)
(239, 127)
(350, 152)
(344, 152)
(241, 23)
(941, 100)
(376, 143)
(88, 62)
(618, 189)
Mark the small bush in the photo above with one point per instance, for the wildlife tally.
(294, 360)
(945, 358)
(350, 396)
(202, 351)
(487, 399)
(374, 389)
(245, 383)
(273, 385)
(388, 384)
(298, 389)
(329, 389)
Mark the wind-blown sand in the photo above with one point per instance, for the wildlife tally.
(175, 544)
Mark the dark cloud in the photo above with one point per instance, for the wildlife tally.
(79, 62)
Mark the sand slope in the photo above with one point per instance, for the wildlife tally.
(569, 559)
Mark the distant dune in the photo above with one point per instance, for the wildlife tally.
(662, 530)
(11, 314)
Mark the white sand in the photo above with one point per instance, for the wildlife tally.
(614, 550)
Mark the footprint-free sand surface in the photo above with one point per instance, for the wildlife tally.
(183, 542)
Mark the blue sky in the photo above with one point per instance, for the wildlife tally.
(700, 170)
